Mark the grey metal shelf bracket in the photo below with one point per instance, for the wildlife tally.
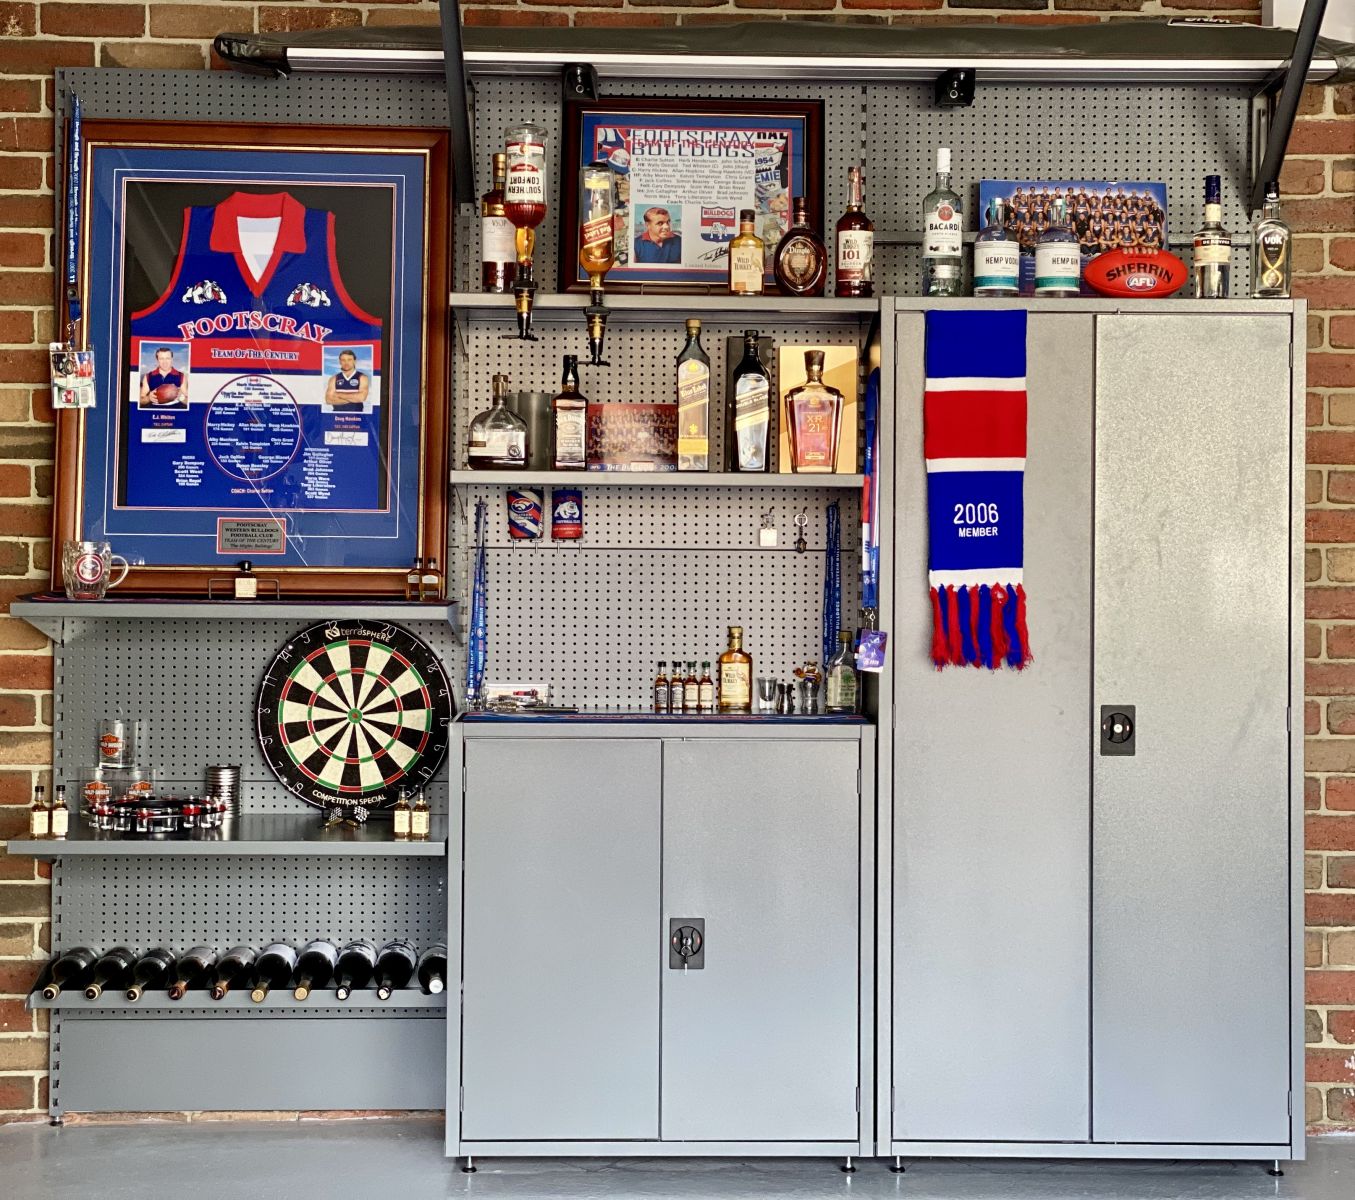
(458, 103)
(1277, 104)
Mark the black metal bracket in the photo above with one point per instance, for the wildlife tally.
(1277, 104)
(579, 81)
(458, 104)
(955, 88)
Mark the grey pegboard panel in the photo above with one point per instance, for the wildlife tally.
(593, 623)
(1170, 134)
(181, 902)
(193, 685)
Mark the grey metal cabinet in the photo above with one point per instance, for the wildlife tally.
(577, 1035)
(1095, 953)
(761, 841)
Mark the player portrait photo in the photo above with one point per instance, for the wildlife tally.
(349, 383)
(659, 241)
(164, 376)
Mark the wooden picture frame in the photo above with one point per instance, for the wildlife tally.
(267, 305)
(753, 154)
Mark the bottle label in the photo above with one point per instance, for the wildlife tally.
(706, 695)
(799, 260)
(571, 426)
(996, 264)
(842, 689)
(497, 244)
(38, 823)
(525, 182)
(735, 688)
(1058, 265)
(1212, 250)
(595, 237)
(505, 444)
(1272, 253)
(752, 414)
(418, 823)
(60, 822)
(942, 236)
(855, 249)
(693, 396)
(745, 270)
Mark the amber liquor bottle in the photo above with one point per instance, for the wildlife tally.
(747, 258)
(801, 262)
(855, 243)
(736, 675)
(814, 418)
(498, 251)
(569, 421)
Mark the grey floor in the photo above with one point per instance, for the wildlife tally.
(353, 1159)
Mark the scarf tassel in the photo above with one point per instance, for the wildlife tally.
(980, 627)
(940, 654)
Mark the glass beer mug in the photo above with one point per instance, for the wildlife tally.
(86, 567)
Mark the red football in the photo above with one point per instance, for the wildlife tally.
(166, 393)
(1124, 272)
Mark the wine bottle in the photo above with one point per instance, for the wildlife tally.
(113, 970)
(192, 971)
(394, 967)
(274, 967)
(357, 961)
(74, 969)
(235, 966)
(153, 971)
(432, 970)
(315, 966)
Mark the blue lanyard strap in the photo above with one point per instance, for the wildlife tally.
(73, 213)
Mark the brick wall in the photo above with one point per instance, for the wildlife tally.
(1319, 184)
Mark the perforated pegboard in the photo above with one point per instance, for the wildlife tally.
(1169, 134)
(192, 684)
(231, 900)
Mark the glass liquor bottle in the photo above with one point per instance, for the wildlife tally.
(706, 690)
(315, 967)
(843, 682)
(814, 418)
(74, 970)
(431, 971)
(569, 421)
(801, 260)
(414, 580)
(400, 815)
(59, 820)
(942, 234)
(675, 688)
(750, 413)
(661, 689)
(39, 818)
(151, 973)
(691, 690)
(747, 258)
(193, 968)
(395, 967)
(1271, 244)
(353, 971)
(1213, 245)
(736, 675)
(274, 968)
(113, 970)
(855, 243)
(498, 249)
(430, 581)
(693, 400)
(997, 255)
(235, 966)
(420, 818)
(498, 436)
(1058, 256)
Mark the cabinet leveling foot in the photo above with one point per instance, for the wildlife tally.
(1275, 1169)
(898, 1168)
(469, 1167)
(848, 1168)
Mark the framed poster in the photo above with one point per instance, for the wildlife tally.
(684, 170)
(267, 308)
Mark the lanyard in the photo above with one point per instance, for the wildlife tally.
(477, 651)
(832, 583)
(73, 191)
(870, 512)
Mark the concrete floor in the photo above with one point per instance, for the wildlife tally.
(347, 1160)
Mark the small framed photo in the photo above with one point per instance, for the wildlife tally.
(684, 170)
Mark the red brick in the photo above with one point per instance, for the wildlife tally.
(1329, 833)
(22, 249)
(1330, 1066)
(1340, 867)
(16, 327)
(798, 5)
(849, 4)
(1310, 256)
(18, 20)
(1329, 754)
(1330, 524)
(1341, 641)
(1312, 718)
(38, 56)
(93, 20)
(1314, 408)
(1331, 370)
(20, 95)
(1341, 793)
(1316, 137)
(1343, 253)
(17, 1093)
(620, 19)
(1312, 636)
(1321, 216)
(505, 17)
(26, 519)
(1303, 177)
(25, 287)
(1329, 603)
(1329, 987)
(1341, 331)
(1340, 1108)
(152, 56)
(24, 172)
(201, 21)
(1329, 909)
(276, 19)
(1312, 793)
(1341, 1025)
(29, 671)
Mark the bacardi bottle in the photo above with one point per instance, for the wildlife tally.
(1213, 245)
(942, 234)
(855, 243)
(1271, 241)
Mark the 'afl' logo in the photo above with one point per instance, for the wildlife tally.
(89, 568)
(1141, 283)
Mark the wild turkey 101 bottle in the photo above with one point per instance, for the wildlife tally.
(855, 242)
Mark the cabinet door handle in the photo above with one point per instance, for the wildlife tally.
(686, 943)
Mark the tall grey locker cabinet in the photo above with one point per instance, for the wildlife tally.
(1091, 947)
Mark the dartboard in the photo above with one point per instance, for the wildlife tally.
(348, 711)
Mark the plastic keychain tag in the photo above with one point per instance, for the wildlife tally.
(766, 535)
(870, 649)
(72, 376)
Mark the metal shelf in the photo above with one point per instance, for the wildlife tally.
(566, 306)
(257, 833)
(281, 999)
(656, 479)
(47, 613)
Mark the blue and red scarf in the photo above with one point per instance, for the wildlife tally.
(974, 437)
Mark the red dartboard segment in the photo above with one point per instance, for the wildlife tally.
(348, 712)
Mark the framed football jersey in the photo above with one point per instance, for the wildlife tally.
(268, 307)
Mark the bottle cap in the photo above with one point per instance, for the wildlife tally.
(746, 214)
(814, 360)
(1213, 189)
(943, 158)
(571, 360)
(500, 161)
(693, 324)
(751, 335)
(1272, 190)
